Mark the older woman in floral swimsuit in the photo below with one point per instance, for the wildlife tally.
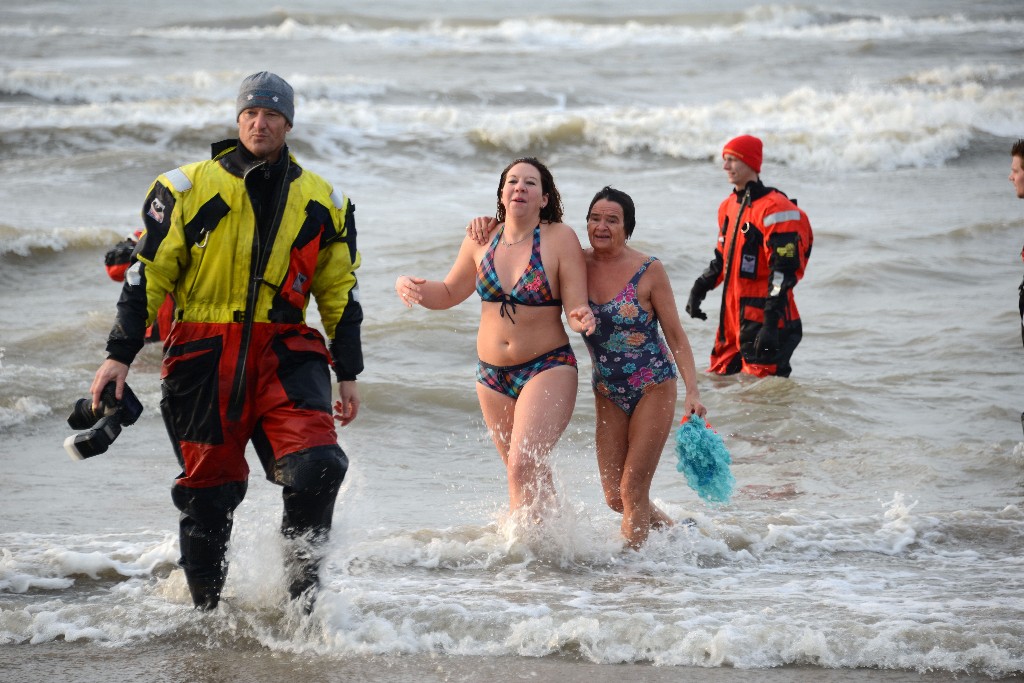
(634, 365)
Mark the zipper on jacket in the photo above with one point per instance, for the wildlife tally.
(728, 261)
(260, 257)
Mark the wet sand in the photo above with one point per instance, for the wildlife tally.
(166, 662)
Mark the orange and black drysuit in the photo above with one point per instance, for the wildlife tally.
(763, 245)
(241, 244)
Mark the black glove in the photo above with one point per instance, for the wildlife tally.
(697, 294)
(766, 344)
(119, 253)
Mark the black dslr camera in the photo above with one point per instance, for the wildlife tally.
(102, 425)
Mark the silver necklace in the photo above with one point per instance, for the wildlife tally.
(509, 244)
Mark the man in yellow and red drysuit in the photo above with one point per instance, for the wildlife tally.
(764, 242)
(241, 241)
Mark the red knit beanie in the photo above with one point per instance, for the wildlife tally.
(747, 149)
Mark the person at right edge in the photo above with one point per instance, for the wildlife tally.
(241, 241)
(1017, 180)
(764, 242)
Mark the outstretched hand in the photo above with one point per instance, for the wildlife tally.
(585, 317)
(408, 289)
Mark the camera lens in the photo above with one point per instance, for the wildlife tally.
(103, 424)
(130, 408)
(82, 416)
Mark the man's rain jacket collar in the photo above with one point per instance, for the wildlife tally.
(757, 190)
(236, 159)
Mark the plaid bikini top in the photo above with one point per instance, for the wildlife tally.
(532, 288)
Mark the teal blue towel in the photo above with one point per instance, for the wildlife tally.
(704, 459)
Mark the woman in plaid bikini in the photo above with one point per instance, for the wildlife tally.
(526, 375)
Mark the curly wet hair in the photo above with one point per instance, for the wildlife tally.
(552, 212)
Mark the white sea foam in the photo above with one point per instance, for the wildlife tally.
(23, 409)
(477, 591)
(762, 23)
(859, 129)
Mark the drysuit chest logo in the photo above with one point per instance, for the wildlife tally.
(156, 210)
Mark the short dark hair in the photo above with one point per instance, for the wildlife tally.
(552, 212)
(1018, 149)
(620, 198)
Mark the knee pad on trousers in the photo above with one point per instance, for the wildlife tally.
(204, 531)
(311, 479)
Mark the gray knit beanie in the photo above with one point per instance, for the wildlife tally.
(268, 91)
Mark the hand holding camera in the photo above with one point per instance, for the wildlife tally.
(103, 424)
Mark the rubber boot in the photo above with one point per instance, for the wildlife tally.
(303, 570)
(311, 480)
(204, 531)
(205, 593)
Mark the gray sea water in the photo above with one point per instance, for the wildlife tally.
(877, 529)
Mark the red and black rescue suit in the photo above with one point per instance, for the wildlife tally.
(763, 246)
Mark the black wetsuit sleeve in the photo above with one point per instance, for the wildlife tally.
(346, 343)
(128, 335)
(346, 347)
(708, 280)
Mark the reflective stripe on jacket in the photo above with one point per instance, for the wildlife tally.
(201, 243)
(763, 254)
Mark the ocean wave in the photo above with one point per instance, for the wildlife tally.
(21, 410)
(862, 128)
(46, 563)
(963, 74)
(25, 242)
(544, 32)
(201, 86)
(477, 591)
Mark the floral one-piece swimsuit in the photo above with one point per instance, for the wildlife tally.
(628, 351)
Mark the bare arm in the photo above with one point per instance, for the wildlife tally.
(456, 287)
(664, 304)
(572, 282)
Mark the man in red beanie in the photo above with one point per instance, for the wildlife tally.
(764, 242)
